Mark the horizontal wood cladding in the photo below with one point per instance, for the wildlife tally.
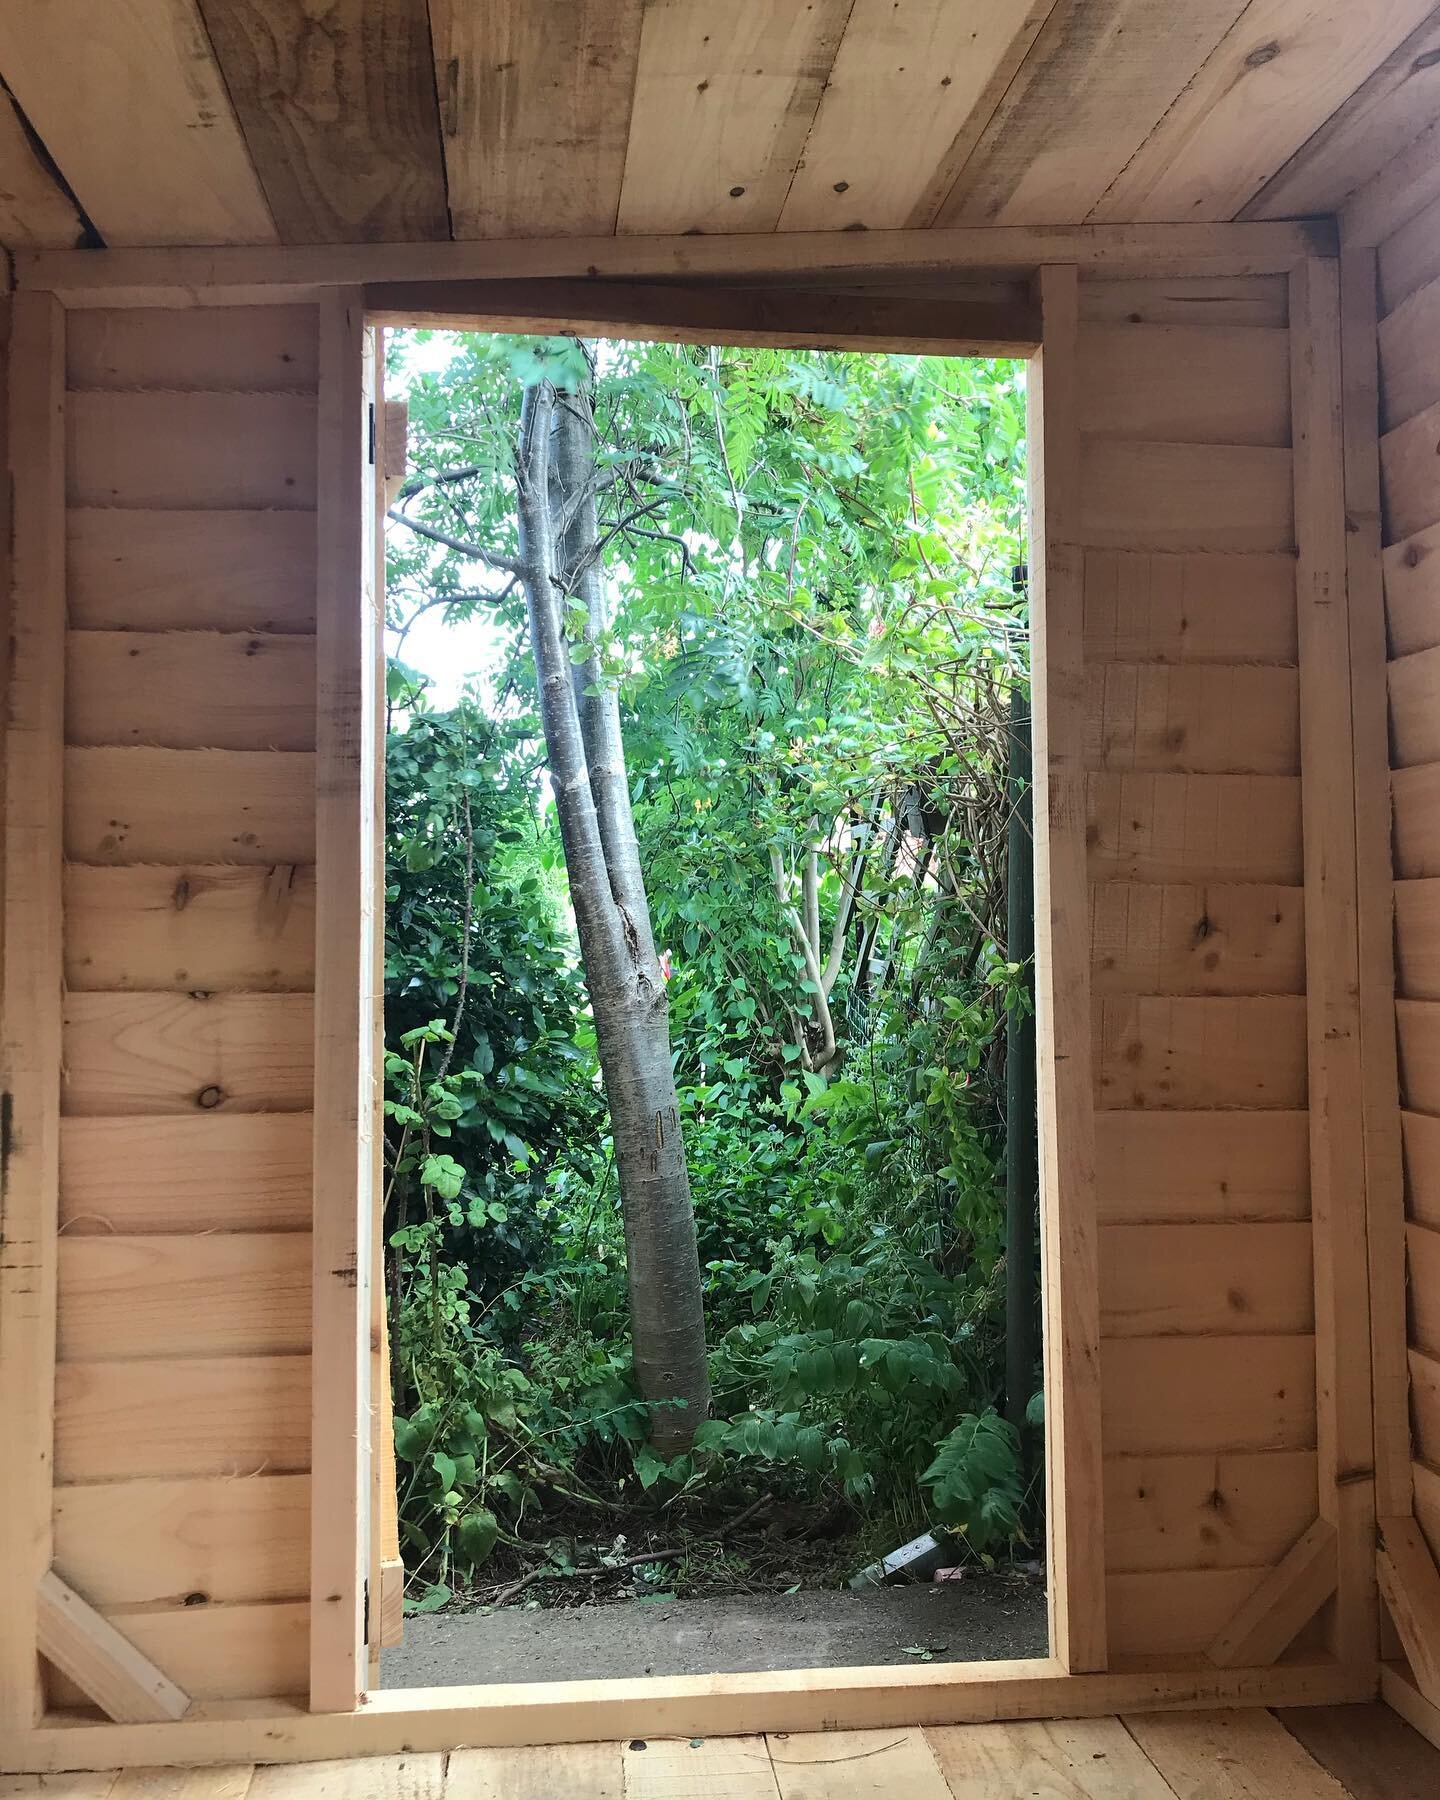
(1183, 496)
(206, 1172)
(1207, 1395)
(1197, 384)
(1410, 257)
(1420, 1134)
(225, 1652)
(1412, 591)
(1418, 1029)
(1152, 1167)
(1190, 1051)
(1240, 1509)
(1427, 1504)
(143, 805)
(218, 1294)
(1217, 939)
(1425, 1405)
(180, 450)
(215, 927)
(1149, 607)
(1422, 1249)
(1410, 356)
(224, 690)
(225, 1415)
(182, 1053)
(1187, 828)
(245, 349)
(194, 1541)
(1192, 300)
(169, 570)
(1204, 1280)
(1177, 1612)
(1415, 705)
(1202, 718)
(1410, 474)
(1417, 939)
(1415, 800)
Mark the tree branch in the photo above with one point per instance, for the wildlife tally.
(492, 559)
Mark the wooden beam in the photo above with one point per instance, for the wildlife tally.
(708, 315)
(1398, 1690)
(1410, 1585)
(345, 1098)
(32, 981)
(1285, 1601)
(123, 1683)
(230, 276)
(1070, 1279)
(1337, 1164)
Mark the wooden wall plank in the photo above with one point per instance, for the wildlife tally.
(1410, 474)
(1415, 797)
(1409, 256)
(1244, 300)
(1422, 1244)
(1205, 1280)
(1199, 718)
(214, 928)
(212, 1172)
(205, 570)
(225, 1415)
(1143, 607)
(223, 1294)
(723, 104)
(1169, 496)
(1412, 591)
(35, 211)
(141, 805)
(106, 1668)
(157, 449)
(1408, 183)
(1188, 1051)
(219, 690)
(225, 1652)
(1418, 1028)
(1219, 939)
(30, 1049)
(1194, 384)
(1205, 1395)
(1176, 1612)
(339, 112)
(1409, 379)
(1414, 683)
(139, 76)
(1242, 1509)
(199, 1541)
(129, 1054)
(244, 348)
(1156, 1166)
(1190, 828)
(1421, 1137)
(1425, 1405)
(558, 79)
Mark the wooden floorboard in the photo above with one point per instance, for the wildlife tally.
(1306, 1753)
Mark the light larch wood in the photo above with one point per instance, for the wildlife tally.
(1200, 718)
(1425, 1405)
(1417, 1025)
(1194, 1051)
(35, 210)
(1408, 335)
(578, 1771)
(854, 1765)
(141, 76)
(1408, 256)
(1421, 1138)
(369, 1778)
(1412, 591)
(109, 1669)
(1205, 1280)
(1175, 1613)
(1252, 300)
(1422, 1244)
(1273, 1614)
(1069, 1759)
(730, 1768)
(1144, 607)
(1240, 1509)
(1182, 496)
(1205, 1395)
(1414, 683)
(238, 1652)
(1230, 1756)
(1194, 384)
(1153, 1166)
(1223, 939)
(1408, 469)
(1408, 184)
(1410, 1587)
(248, 348)
(1070, 1279)
(1415, 799)
(30, 1017)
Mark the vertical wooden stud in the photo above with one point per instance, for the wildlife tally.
(345, 1071)
(1337, 1147)
(1070, 1274)
(33, 968)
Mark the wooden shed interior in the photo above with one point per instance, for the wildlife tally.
(1215, 229)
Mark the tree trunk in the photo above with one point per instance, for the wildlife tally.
(560, 554)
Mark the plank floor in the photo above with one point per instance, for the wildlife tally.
(1364, 1752)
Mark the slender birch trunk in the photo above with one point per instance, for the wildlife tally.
(560, 566)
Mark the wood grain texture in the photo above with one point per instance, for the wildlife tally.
(1061, 1759)
(1188, 1051)
(1417, 1025)
(35, 210)
(1408, 256)
(1204, 1395)
(1243, 300)
(1205, 718)
(107, 1667)
(1272, 1616)
(535, 110)
(238, 1652)
(1220, 939)
(1407, 185)
(659, 1769)
(190, 450)
(1240, 1509)
(233, 1293)
(201, 570)
(141, 805)
(225, 1416)
(202, 1540)
(1412, 591)
(1230, 1756)
(1369, 1749)
(215, 928)
(1158, 1166)
(183, 690)
(1194, 384)
(1206, 1280)
(213, 1172)
(585, 1771)
(1189, 828)
(1422, 1244)
(1415, 799)
(1189, 609)
(141, 76)
(1182, 496)
(724, 101)
(850, 1765)
(1176, 1612)
(244, 348)
(1425, 1405)
(1410, 474)
(1409, 381)
(129, 1054)
(405, 1777)
(1414, 683)
(1421, 1137)
(338, 108)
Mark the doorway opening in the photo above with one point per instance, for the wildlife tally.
(711, 1236)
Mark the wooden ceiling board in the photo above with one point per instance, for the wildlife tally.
(1100, 74)
(1375, 123)
(1279, 72)
(35, 211)
(725, 94)
(915, 82)
(535, 106)
(127, 99)
(337, 102)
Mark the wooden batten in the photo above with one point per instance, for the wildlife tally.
(1285, 1601)
(103, 1664)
